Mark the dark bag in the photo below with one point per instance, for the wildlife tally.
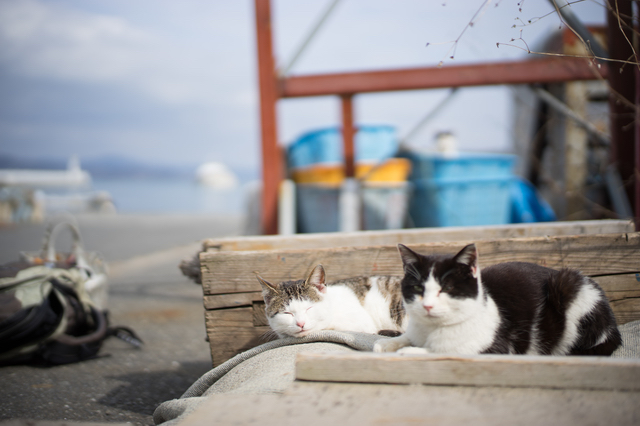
(53, 305)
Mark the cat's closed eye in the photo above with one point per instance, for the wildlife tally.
(446, 284)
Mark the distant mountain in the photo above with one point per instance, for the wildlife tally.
(101, 167)
(10, 162)
(117, 167)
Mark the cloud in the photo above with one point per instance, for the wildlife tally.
(47, 40)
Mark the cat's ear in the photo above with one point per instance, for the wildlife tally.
(409, 257)
(469, 256)
(317, 279)
(268, 290)
(409, 260)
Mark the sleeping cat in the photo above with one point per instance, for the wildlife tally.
(509, 308)
(364, 304)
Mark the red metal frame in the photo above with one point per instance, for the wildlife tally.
(346, 85)
(544, 70)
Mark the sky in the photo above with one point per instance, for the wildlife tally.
(174, 82)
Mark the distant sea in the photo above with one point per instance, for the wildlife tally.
(170, 195)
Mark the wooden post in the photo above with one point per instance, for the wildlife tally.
(575, 148)
(575, 153)
(271, 154)
(622, 94)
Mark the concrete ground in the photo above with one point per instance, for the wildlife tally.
(147, 293)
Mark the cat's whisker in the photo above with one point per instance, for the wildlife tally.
(268, 336)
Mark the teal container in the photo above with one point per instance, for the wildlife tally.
(325, 146)
(464, 190)
(467, 166)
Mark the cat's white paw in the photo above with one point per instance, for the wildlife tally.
(390, 345)
(412, 350)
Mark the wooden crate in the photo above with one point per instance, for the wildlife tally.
(235, 318)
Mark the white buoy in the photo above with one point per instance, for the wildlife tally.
(350, 205)
(216, 175)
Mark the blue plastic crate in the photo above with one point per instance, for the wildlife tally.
(461, 190)
(461, 202)
(468, 165)
(371, 143)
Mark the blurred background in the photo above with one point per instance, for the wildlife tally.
(152, 106)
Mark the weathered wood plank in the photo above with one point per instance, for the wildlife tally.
(236, 317)
(232, 300)
(479, 370)
(623, 292)
(620, 286)
(417, 236)
(228, 341)
(259, 314)
(230, 272)
(626, 310)
(616, 287)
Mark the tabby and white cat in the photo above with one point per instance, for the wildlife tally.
(511, 308)
(364, 304)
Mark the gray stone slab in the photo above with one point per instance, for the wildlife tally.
(321, 404)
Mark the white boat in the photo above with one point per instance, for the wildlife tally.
(72, 177)
(28, 195)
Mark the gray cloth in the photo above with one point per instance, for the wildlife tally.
(269, 368)
(630, 341)
(357, 341)
(275, 363)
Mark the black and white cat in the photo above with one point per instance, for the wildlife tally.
(364, 304)
(509, 308)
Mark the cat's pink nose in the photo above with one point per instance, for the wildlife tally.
(428, 308)
(300, 324)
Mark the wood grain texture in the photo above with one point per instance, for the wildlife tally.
(233, 300)
(626, 310)
(231, 272)
(479, 370)
(623, 292)
(259, 314)
(228, 341)
(417, 236)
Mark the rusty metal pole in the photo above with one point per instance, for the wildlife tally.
(348, 133)
(622, 94)
(271, 154)
(350, 205)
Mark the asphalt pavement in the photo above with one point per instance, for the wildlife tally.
(147, 293)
